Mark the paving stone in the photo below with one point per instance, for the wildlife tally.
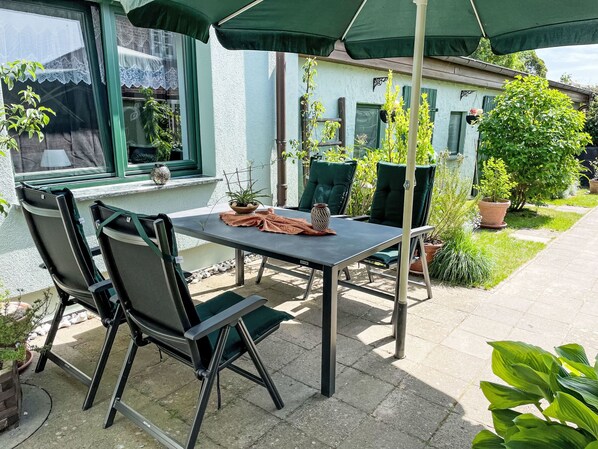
(411, 413)
(361, 390)
(306, 368)
(305, 335)
(427, 329)
(377, 434)
(435, 386)
(455, 363)
(469, 343)
(327, 419)
(456, 432)
(485, 327)
(416, 348)
(384, 366)
(285, 436)
(497, 313)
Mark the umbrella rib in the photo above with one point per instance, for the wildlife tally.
(353, 19)
(240, 11)
(477, 16)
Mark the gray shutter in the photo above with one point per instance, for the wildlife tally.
(407, 96)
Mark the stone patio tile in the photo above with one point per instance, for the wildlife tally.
(239, 425)
(435, 386)
(285, 436)
(277, 353)
(150, 381)
(427, 329)
(455, 363)
(305, 335)
(373, 433)
(537, 324)
(314, 316)
(439, 313)
(306, 368)
(327, 419)
(456, 432)
(361, 390)
(384, 366)
(367, 332)
(474, 405)
(546, 341)
(293, 393)
(563, 312)
(497, 313)
(471, 344)
(415, 348)
(349, 350)
(485, 327)
(411, 413)
(590, 307)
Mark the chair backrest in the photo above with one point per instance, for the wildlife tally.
(388, 201)
(141, 256)
(57, 231)
(330, 183)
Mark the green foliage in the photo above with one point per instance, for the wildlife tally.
(397, 129)
(524, 61)
(538, 134)
(594, 169)
(592, 120)
(563, 387)
(452, 207)
(27, 116)
(460, 261)
(312, 111)
(16, 324)
(242, 192)
(161, 124)
(542, 218)
(495, 182)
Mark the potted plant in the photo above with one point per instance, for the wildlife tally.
(473, 116)
(17, 321)
(594, 176)
(495, 188)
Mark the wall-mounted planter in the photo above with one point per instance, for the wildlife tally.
(472, 119)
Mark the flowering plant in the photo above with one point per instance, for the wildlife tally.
(475, 111)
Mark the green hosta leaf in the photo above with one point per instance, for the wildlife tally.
(573, 352)
(533, 377)
(566, 408)
(579, 369)
(592, 445)
(553, 436)
(535, 357)
(586, 388)
(487, 440)
(503, 397)
(503, 368)
(503, 420)
(529, 421)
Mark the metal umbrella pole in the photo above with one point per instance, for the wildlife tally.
(400, 321)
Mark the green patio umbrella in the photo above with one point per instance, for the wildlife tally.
(378, 29)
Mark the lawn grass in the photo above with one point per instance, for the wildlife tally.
(581, 199)
(533, 217)
(507, 253)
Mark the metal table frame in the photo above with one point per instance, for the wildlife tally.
(209, 227)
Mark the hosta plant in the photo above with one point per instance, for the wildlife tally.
(561, 389)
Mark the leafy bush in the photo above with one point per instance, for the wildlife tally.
(495, 182)
(592, 121)
(460, 261)
(564, 389)
(537, 133)
(452, 208)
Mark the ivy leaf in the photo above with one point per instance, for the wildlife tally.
(566, 408)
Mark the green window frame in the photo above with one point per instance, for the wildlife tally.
(432, 98)
(110, 107)
(456, 133)
(488, 103)
(373, 110)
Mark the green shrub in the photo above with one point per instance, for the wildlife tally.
(563, 388)
(460, 261)
(495, 182)
(538, 134)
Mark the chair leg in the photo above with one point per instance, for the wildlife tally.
(120, 384)
(425, 268)
(259, 365)
(104, 354)
(260, 273)
(43, 358)
(370, 274)
(310, 282)
(347, 273)
(206, 387)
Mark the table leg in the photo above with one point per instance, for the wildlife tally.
(329, 318)
(240, 266)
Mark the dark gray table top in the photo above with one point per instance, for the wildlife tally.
(352, 240)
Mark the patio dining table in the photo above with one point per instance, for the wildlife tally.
(354, 241)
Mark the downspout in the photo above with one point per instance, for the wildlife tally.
(281, 139)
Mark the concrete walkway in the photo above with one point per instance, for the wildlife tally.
(431, 399)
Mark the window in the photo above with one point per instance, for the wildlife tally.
(488, 103)
(367, 128)
(456, 134)
(124, 97)
(432, 94)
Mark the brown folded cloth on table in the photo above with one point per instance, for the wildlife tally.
(268, 221)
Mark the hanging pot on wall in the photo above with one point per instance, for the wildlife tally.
(160, 174)
(472, 119)
(384, 115)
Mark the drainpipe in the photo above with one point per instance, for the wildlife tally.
(281, 122)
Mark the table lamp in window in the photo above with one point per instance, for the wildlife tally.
(55, 158)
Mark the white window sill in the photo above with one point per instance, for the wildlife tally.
(132, 188)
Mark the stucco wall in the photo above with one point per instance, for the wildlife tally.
(336, 80)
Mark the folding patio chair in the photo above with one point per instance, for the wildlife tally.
(387, 209)
(57, 231)
(142, 258)
(330, 183)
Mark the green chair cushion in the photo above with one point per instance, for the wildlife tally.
(330, 183)
(386, 257)
(259, 322)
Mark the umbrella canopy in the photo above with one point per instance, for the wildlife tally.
(374, 28)
(379, 29)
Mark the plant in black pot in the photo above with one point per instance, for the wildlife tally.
(473, 116)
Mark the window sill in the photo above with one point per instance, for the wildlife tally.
(132, 188)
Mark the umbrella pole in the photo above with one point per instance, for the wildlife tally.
(400, 321)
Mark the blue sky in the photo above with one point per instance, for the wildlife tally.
(580, 61)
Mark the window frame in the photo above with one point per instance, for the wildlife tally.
(110, 115)
(461, 136)
(378, 108)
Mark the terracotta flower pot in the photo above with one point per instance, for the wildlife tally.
(493, 213)
(594, 186)
(243, 210)
(430, 249)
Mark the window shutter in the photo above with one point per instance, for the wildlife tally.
(407, 96)
(488, 103)
(432, 95)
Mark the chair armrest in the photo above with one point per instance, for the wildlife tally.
(341, 216)
(422, 230)
(95, 251)
(114, 299)
(100, 286)
(360, 218)
(226, 317)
